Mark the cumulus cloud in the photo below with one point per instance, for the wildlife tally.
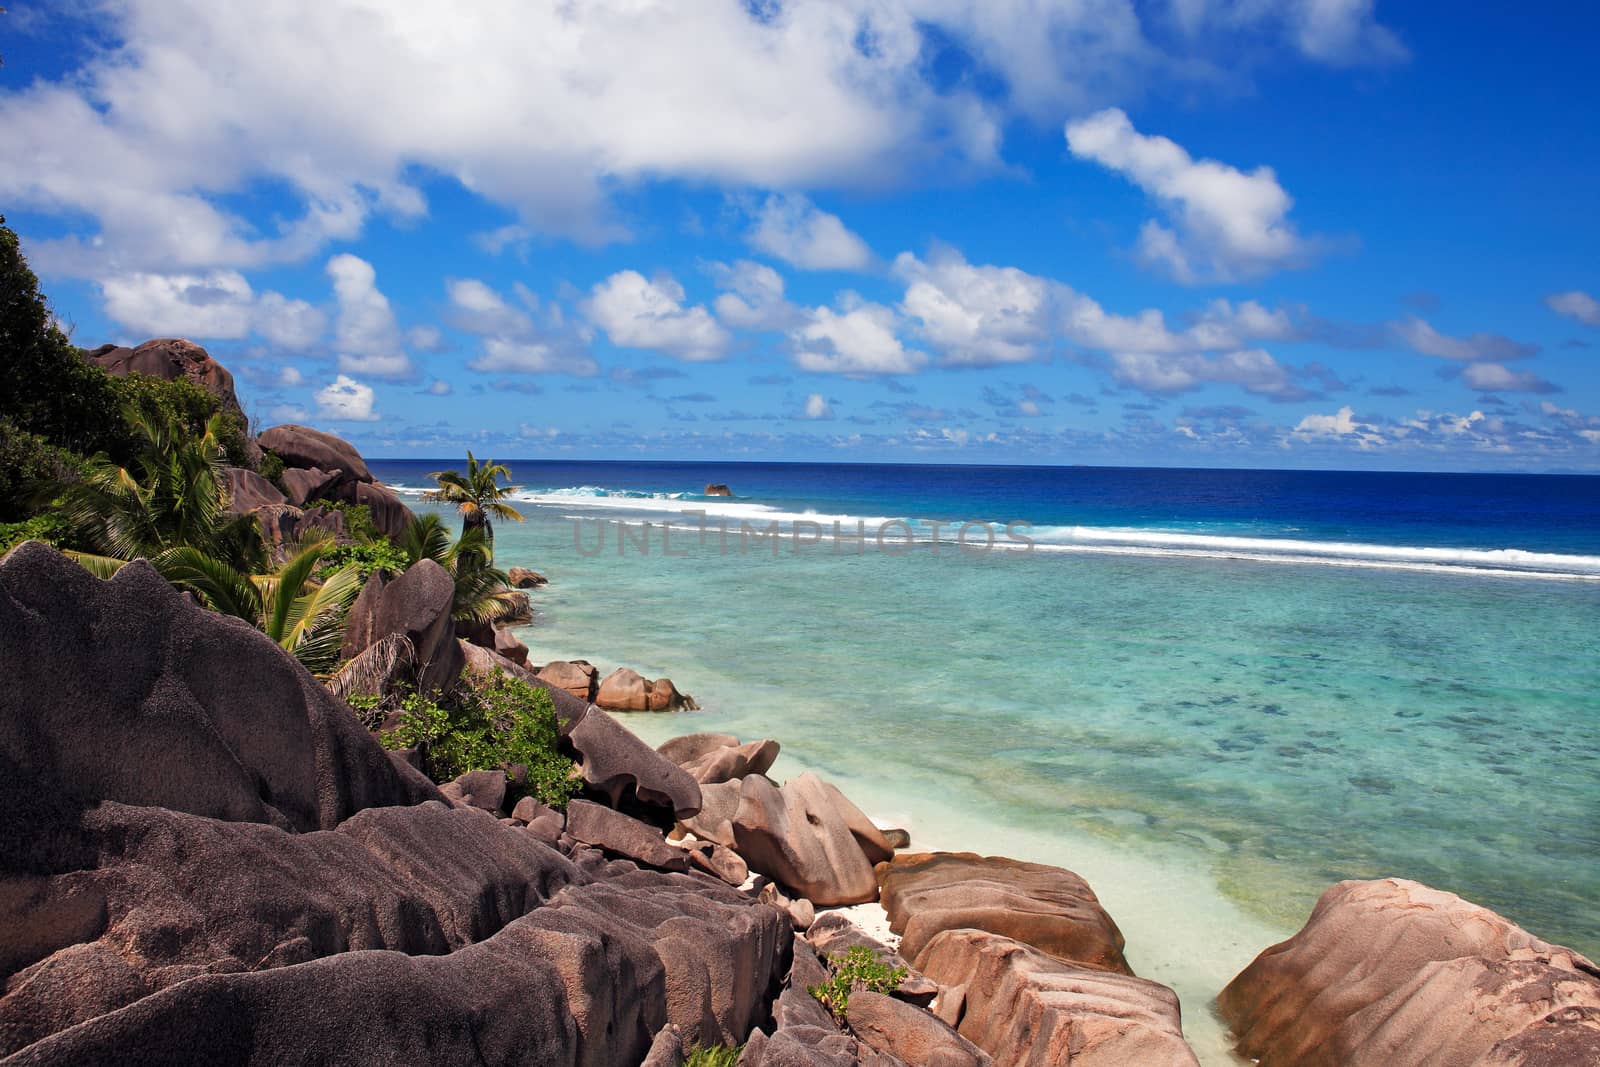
(366, 335)
(1495, 377)
(635, 312)
(511, 341)
(988, 315)
(977, 315)
(1420, 336)
(346, 400)
(1342, 424)
(215, 305)
(817, 407)
(1224, 223)
(754, 297)
(796, 231)
(1575, 304)
(152, 144)
(858, 340)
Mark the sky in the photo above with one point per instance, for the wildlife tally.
(1242, 233)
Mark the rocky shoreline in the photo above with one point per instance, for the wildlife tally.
(209, 857)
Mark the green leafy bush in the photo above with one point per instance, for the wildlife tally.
(28, 464)
(369, 557)
(488, 723)
(179, 403)
(271, 468)
(47, 528)
(711, 1056)
(357, 519)
(856, 968)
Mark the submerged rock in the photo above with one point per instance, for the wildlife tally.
(1392, 972)
(575, 676)
(627, 690)
(717, 489)
(523, 578)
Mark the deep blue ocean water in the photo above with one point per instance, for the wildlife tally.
(1212, 693)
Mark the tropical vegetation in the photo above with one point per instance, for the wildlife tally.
(477, 494)
(858, 967)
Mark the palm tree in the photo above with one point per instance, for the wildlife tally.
(483, 591)
(171, 509)
(174, 495)
(303, 613)
(477, 494)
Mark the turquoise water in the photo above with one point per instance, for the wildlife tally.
(1212, 741)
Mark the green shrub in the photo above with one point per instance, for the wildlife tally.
(28, 464)
(271, 468)
(357, 519)
(856, 968)
(489, 722)
(711, 1056)
(369, 557)
(178, 403)
(48, 528)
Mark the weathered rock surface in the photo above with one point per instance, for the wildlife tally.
(575, 676)
(1049, 908)
(1022, 1006)
(908, 1032)
(735, 761)
(628, 773)
(587, 978)
(507, 645)
(169, 358)
(717, 860)
(798, 837)
(719, 803)
(717, 489)
(125, 690)
(832, 934)
(523, 578)
(416, 604)
(666, 1050)
(1393, 972)
(301, 446)
(485, 790)
(686, 748)
(305, 484)
(627, 690)
(389, 513)
(247, 491)
(158, 906)
(620, 835)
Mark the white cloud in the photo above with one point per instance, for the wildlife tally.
(512, 342)
(817, 407)
(215, 305)
(754, 298)
(366, 335)
(1420, 336)
(439, 387)
(346, 400)
(1225, 223)
(1253, 370)
(219, 304)
(857, 340)
(1498, 378)
(797, 232)
(289, 413)
(977, 316)
(1341, 425)
(190, 105)
(638, 313)
(1575, 304)
(289, 377)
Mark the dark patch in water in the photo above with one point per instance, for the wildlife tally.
(1372, 783)
(1408, 714)
(1273, 709)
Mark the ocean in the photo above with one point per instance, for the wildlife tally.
(1212, 693)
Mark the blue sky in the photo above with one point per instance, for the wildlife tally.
(1308, 233)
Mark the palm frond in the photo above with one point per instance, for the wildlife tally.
(99, 566)
(375, 670)
(219, 586)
